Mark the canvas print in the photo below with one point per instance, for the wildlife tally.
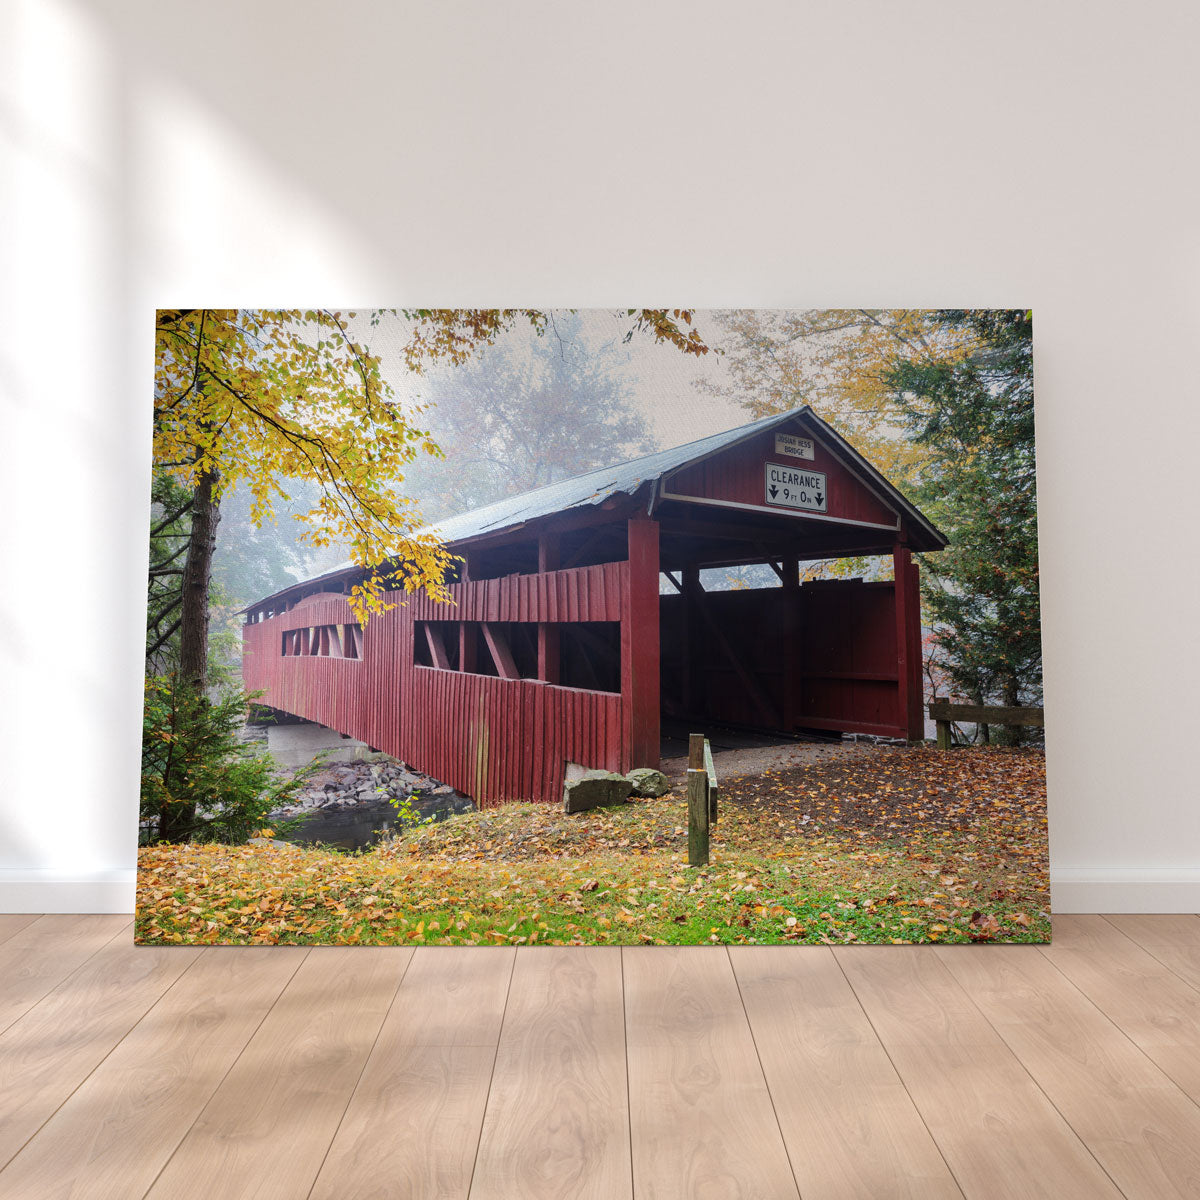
(593, 627)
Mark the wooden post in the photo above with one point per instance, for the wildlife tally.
(639, 647)
(697, 794)
(690, 585)
(908, 716)
(916, 670)
(944, 740)
(711, 772)
(696, 752)
(792, 681)
(549, 641)
(466, 646)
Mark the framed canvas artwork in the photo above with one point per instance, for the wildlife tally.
(592, 627)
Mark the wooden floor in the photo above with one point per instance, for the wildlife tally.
(1070, 1070)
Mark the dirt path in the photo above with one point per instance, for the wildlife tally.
(754, 760)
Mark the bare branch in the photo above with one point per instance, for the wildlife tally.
(157, 529)
(166, 637)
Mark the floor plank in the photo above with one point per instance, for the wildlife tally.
(1038, 1071)
(11, 923)
(1174, 939)
(849, 1125)
(557, 1120)
(997, 1130)
(40, 955)
(116, 1132)
(1141, 1128)
(1158, 1011)
(701, 1116)
(412, 1127)
(47, 1053)
(265, 1131)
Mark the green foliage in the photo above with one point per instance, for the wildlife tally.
(200, 783)
(974, 417)
(407, 816)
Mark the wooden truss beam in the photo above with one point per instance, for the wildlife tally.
(437, 648)
(497, 643)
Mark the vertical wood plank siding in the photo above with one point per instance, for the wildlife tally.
(494, 739)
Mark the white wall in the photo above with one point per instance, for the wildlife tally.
(767, 154)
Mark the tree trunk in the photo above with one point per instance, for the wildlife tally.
(175, 820)
(1013, 734)
(197, 573)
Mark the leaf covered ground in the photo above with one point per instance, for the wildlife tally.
(897, 845)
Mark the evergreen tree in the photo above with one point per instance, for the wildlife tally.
(974, 417)
(169, 529)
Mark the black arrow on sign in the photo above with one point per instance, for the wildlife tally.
(820, 498)
(774, 491)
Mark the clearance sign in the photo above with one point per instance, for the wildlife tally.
(791, 487)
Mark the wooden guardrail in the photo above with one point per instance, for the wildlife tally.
(945, 714)
(702, 792)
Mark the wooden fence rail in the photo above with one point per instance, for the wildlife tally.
(946, 714)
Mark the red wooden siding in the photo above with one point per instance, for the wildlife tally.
(580, 594)
(848, 659)
(492, 738)
(738, 478)
(640, 644)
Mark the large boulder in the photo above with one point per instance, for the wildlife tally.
(593, 789)
(648, 782)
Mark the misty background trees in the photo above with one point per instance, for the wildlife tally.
(526, 413)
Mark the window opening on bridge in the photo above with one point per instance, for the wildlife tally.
(590, 655)
(437, 644)
(582, 654)
(323, 641)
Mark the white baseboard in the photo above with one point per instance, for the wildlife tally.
(25, 890)
(1125, 889)
(1073, 890)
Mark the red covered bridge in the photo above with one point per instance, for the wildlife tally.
(560, 648)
